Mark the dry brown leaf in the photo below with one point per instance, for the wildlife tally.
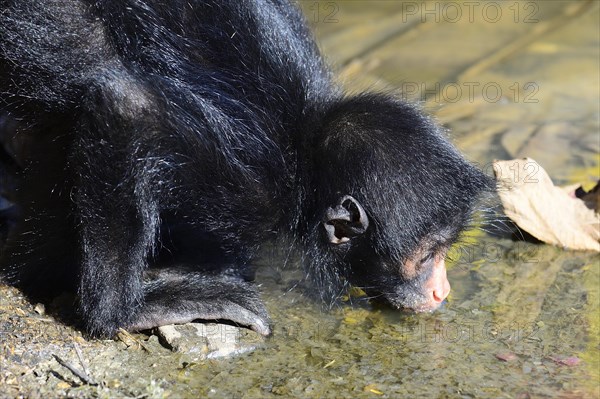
(545, 211)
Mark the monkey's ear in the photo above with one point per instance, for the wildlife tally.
(345, 221)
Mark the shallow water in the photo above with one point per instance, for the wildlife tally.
(534, 306)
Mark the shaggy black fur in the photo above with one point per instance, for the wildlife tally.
(153, 146)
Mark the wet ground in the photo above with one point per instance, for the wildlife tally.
(509, 79)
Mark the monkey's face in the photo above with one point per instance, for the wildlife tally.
(418, 283)
(404, 274)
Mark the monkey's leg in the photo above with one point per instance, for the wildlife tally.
(173, 296)
(117, 202)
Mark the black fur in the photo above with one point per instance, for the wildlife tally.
(154, 146)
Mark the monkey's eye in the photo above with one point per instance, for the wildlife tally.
(428, 257)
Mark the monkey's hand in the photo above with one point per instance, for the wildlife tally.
(177, 297)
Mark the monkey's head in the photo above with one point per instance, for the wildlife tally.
(392, 196)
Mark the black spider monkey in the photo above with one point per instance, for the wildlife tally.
(149, 148)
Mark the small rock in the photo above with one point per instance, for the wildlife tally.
(506, 357)
(40, 309)
(567, 361)
(208, 340)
